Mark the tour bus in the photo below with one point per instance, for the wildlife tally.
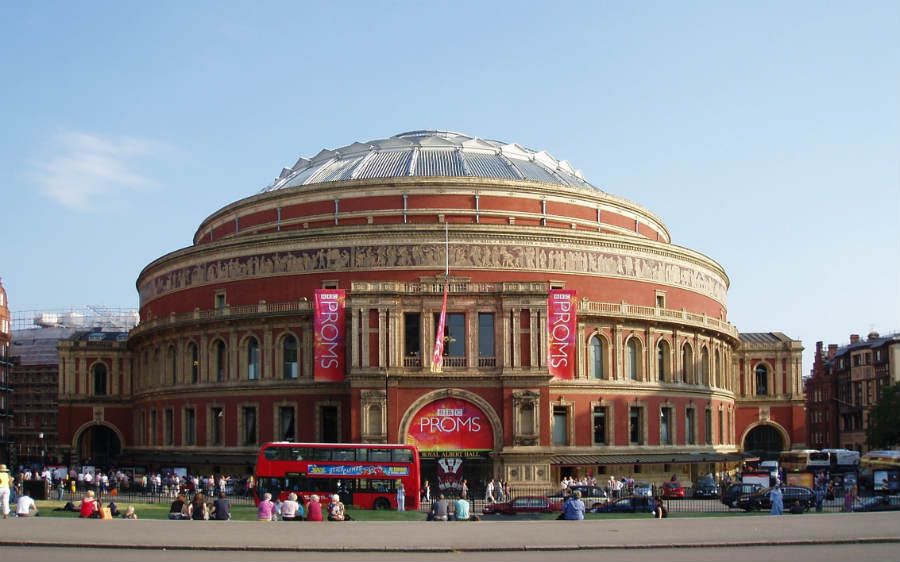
(881, 471)
(363, 475)
(804, 460)
(801, 465)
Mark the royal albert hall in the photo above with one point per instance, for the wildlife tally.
(577, 339)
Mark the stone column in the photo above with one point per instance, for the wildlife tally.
(516, 338)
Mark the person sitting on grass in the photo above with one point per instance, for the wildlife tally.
(266, 510)
(89, 506)
(336, 510)
(314, 509)
(573, 510)
(178, 508)
(25, 506)
(221, 510)
(130, 513)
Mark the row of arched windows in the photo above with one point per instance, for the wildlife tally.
(634, 365)
(250, 361)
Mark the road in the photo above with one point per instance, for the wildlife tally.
(856, 553)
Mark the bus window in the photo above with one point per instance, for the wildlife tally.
(402, 455)
(379, 455)
(343, 455)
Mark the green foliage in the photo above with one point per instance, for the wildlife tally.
(884, 419)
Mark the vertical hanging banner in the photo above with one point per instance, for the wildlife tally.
(561, 321)
(437, 358)
(329, 343)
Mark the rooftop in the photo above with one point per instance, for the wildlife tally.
(429, 153)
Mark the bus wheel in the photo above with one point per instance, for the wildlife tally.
(381, 504)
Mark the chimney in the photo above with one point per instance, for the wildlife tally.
(873, 335)
(854, 338)
(832, 350)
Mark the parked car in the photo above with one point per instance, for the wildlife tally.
(631, 504)
(592, 496)
(705, 487)
(523, 504)
(877, 503)
(643, 489)
(672, 490)
(759, 500)
(730, 494)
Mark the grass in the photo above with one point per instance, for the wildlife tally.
(248, 513)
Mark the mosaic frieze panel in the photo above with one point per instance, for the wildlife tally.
(431, 256)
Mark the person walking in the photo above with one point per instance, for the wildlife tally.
(401, 496)
(4, 490)
(489, 492)
(776, 496)
(464, 493)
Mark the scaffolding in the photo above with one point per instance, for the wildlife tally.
(88, 317)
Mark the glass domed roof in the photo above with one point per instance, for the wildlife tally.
(429, 154)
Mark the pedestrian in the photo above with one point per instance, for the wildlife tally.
(776, 496)
(4, 490)
(659, 509)
(401, 496)
(464, 493)
(426, 491)
(489, 491)
(849, 497)
(820, 496)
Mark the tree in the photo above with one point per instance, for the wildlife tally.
(884, 419)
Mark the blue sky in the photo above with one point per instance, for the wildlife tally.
(765, 134)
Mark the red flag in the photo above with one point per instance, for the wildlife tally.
(437, 358)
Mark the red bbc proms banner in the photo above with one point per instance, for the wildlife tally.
(450, 424)
(561, 320)
(329, 339)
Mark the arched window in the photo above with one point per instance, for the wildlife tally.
(194, 355)
(252, 359)
(172, 364)
(98, 374)
(596, 358)
(220, 360)
(762, 380)
(290, 366)
(633, 359)
(704, 367)
(717, 370)
(687, 363)
(662, 360)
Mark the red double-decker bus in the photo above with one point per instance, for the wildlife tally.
(363, 475)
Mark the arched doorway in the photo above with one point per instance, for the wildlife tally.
(764, 439)
(456, 433)
(99, 445)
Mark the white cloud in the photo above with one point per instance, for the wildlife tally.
(83, 171)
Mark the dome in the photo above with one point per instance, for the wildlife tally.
(429, 154)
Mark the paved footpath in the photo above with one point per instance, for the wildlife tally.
(425, 536)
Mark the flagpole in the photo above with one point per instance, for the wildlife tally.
(446, 249)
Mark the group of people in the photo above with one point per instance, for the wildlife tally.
(198, 509)
(443, 509)
(92, 508)
(497, 492)
(307, 508)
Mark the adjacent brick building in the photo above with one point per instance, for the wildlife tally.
(845, 384)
